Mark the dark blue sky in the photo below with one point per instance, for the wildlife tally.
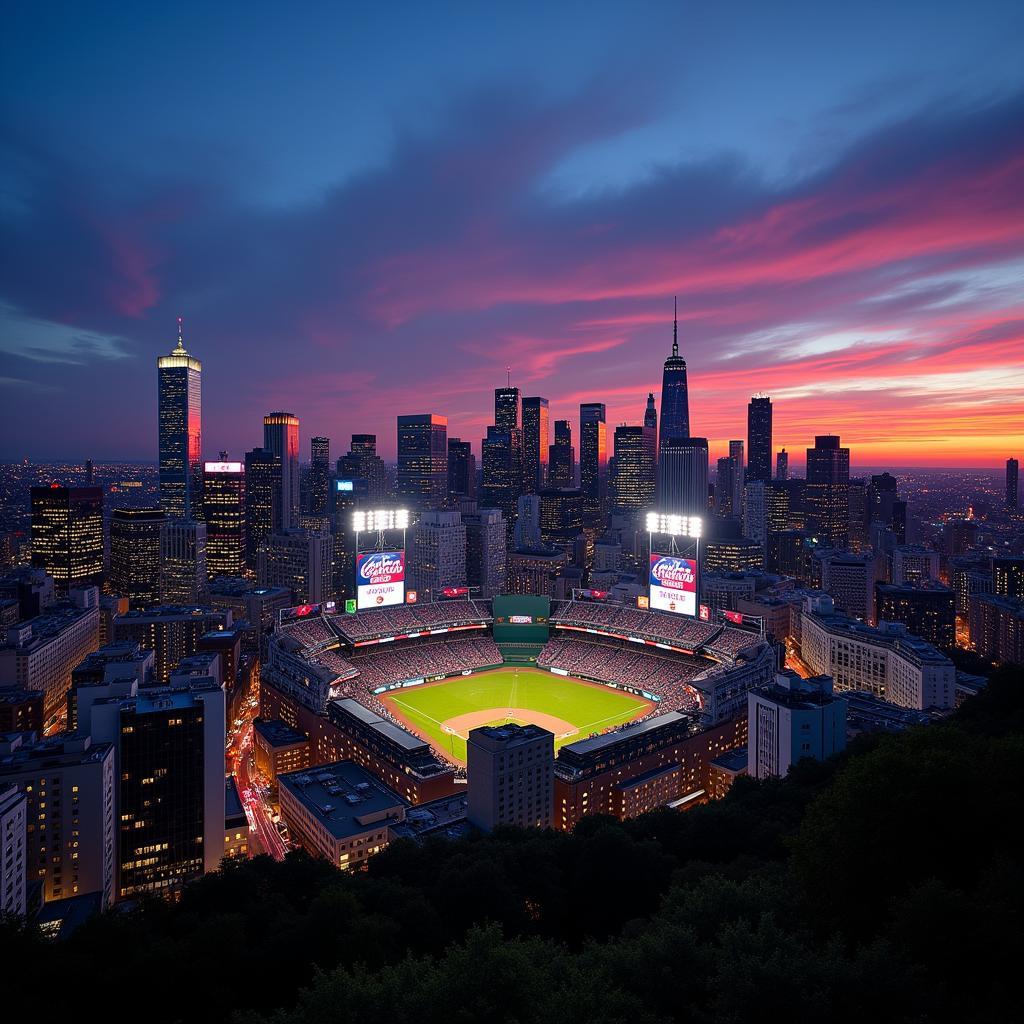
(361, 213)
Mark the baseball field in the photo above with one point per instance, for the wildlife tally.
(444, 712)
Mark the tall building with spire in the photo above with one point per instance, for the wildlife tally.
(180, 398)
(675, 402)
(651, 413)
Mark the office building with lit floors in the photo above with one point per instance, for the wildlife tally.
(319, 475)
(510, 771)
(887, 661)
(278, 749)
(169, 743)
(225, 515)
(423, 460)
(40, 654)
(13, 848)
(997, 628)
(67, 534)
(171, 632)
(562, 456)
(927, 609)
(281, 436)
(791, 719)
(1012, 492)
(536, 443)
(183, 574)
(300, 560)
(486, 550)
(69, 783)
(180, 399)
(262, 500)
(135, 554)
(340, 812)
(827, 492)
(362, 462)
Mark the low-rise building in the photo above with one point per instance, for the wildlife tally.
(278, 749)
(236, 824)
(510, 769)
(339, 812)
(791, 719)
(886, 660)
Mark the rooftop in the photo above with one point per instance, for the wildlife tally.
(277, 733)
(345, 799)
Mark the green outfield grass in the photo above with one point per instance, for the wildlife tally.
(587, 707)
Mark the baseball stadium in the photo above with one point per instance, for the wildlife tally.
(399, 688)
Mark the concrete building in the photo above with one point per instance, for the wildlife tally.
(913, 563)
(339, 812)
(301, 561)
(13, 849)
(997, 628)
(927, 609)
(849, 579)
(70, 786)
(437, 553)
(183, 573)
(278, 749)
(886, 661)
(510, 770)
(755, 511)
(791, 719)
(40, 654)
(486, 550)
(135, 554)
(169, 750)
(172, 632)
(123, 662)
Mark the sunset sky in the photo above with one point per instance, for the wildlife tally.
(367, 211)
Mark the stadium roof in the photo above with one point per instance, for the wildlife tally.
(593, 743)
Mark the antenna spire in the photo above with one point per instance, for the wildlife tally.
(181, 340)
(508, 376)
(675, 326)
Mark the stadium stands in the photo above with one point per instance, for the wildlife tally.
(666, 677)
(310, 633)
(382, 667)
(378, 622)
(674, 629)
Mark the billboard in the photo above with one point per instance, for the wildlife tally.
(380, 579)
(674, 584)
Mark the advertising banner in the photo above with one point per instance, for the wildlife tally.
(674, 584)
(380, 579)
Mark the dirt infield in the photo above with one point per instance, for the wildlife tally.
(461, 724)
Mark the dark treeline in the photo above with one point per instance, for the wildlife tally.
(883, 885)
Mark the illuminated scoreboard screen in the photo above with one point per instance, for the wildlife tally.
(380, 579)
(673, 584)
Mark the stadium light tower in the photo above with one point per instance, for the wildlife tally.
(380, 569)
(674, 566)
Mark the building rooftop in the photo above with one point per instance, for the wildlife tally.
(25, 751)
(33, 632)
(495, 736)
(345, 799)
(234, 812)
(626, 732)
(276, 733)
(866, 712)
(732, 760)
(395, 733)
(443, 818)
(889, 634)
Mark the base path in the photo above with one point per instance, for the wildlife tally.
(461, 724)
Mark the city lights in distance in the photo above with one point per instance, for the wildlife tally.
(223, 467)
(380, 519)
(673, 525)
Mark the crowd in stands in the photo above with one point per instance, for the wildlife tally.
(310, 632)
(686, 632)
(383, 666)
(404, 618)
(664, 676)
(730, 642)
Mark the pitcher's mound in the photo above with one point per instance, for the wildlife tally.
(461, 724)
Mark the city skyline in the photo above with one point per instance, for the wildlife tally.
(856, 254)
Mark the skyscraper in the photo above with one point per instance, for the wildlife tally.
(486, 550)
(536, 441)
(423, 460)
(281, 436)
(651, 414)
(634, 468)
(67, 534)
(782, 465)
(729, 487)
(593, 456)
(319, 474)
(683, 476)
(502, 479)
(675, 403)
(180, 397)
(562, 456)
(1011, 483)
(225, 514)
(363, 463)
(736, 452)
(461, 469)
(437, 557)
(506, 408)
(826, 495)
(135, 554)
(759, 438)
(262, 500)
(183, 578)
